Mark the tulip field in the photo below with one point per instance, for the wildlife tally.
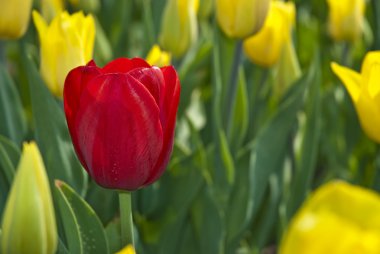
(189, 127)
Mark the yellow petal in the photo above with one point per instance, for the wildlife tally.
(337, 218)
(157, 57)
(368, 110)
(371, 73)
(351, 79)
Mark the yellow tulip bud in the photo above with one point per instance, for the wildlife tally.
(66, 43)
(364, 90)
(29, 222)
(127, 250)
(14, 18)
(158, 57)
(241, 18)
(338, 218)
(346, 19)
(265, 47)
(179, 29)
(51, 8)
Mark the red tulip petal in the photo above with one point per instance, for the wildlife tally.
(170, 94)
(151, 78)
(119, 131)
(124, 65)
(75, 81)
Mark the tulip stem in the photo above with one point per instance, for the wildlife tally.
(126, 223)
(232, 86)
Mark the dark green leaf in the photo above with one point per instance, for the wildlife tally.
(92, 235)
(12, 117)
(51, 133)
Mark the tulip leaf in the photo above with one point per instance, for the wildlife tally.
(61, 248)
(92, 234)
(113, 231)
(12, 117)
(227, 159)
(208, 223)
(307, 158)
(9, 157)
(51, 133)
(271, 143)
(159, 233)
(239, 121)
(69, 223)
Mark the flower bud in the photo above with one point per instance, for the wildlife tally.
(241, 18)
(265, 47)
(66, 43)
(29, 222)
(338, 218)
(346, 19)
(158, 57)
(364, 90)
(14, 18)
(179, 29)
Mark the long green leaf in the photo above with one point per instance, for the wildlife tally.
(51, 133)
(268, 151)
(92, 234)
(12, 117)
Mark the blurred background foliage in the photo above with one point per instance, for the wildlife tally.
(226, 190)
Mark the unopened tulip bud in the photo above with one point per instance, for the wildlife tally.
(158, 57)
(14, 18)
(179, 29)
(346, 19)
(29, 222)
(241, 18)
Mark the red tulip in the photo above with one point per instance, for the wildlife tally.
(121, 120)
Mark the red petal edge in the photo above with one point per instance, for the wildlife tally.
(124, 65)
(170, 95)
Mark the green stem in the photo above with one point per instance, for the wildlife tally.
(232, 87)
(126, 218)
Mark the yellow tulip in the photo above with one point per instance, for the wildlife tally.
(364, 90)
(338, 218)
(346, 19)
(66, 43)
(158, 57)
(127, 250)
(14, 18)
(29, 222)
(265, 47)
(179, 29)
(241, 18)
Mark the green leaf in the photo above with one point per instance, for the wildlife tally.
(12, 115)
(225, 155)
(51, 133)
(308, 150)
(113, 231)
(268, 151)
(69, 222)
(91, 232)
(208, 224)
(240, 115)
(9, 157)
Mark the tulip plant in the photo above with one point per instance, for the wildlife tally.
(189, 126)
